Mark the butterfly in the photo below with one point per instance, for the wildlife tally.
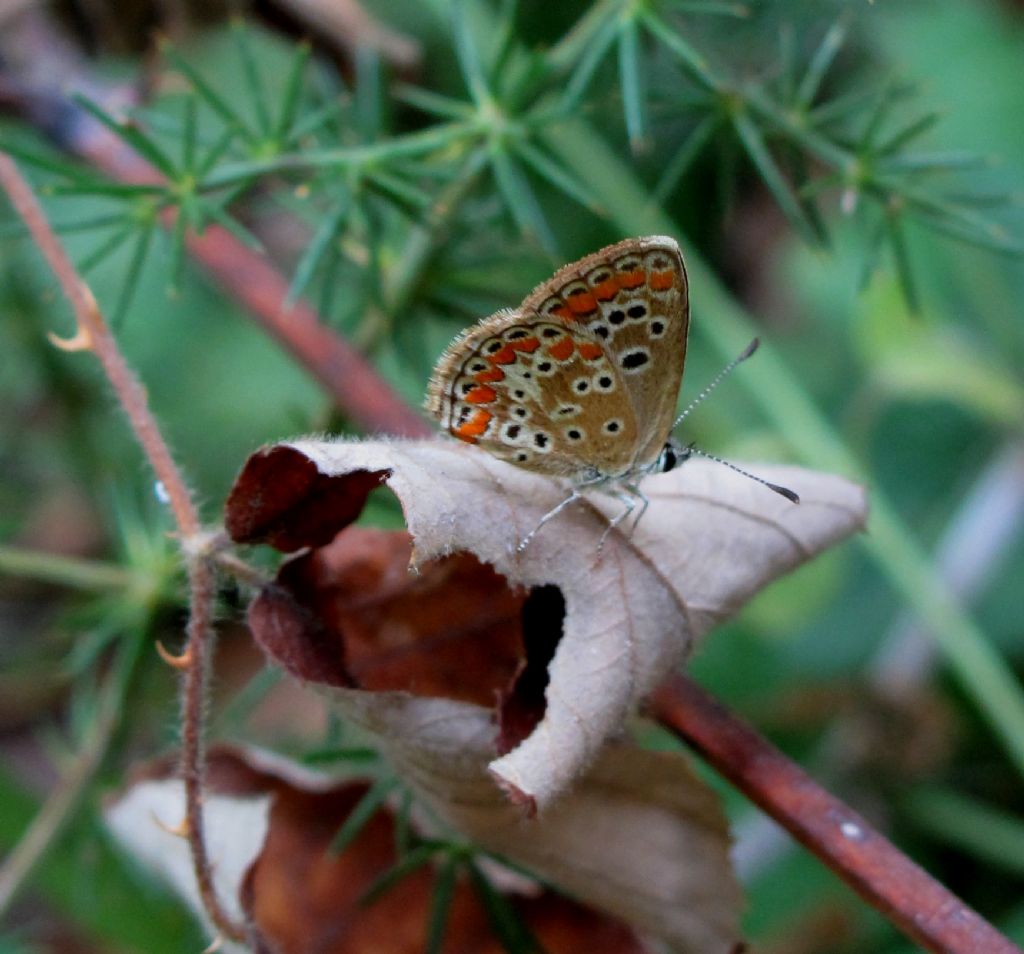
(580, 382)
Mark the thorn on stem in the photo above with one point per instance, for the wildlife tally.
(180, 662)
(215, 945)
(81, 340)
(179, 831)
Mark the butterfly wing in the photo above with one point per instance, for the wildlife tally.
(633, 298)
(538, 393)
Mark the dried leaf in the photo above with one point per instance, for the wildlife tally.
(270, 825)
(633, 610)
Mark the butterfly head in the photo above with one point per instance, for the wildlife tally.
(672, 455)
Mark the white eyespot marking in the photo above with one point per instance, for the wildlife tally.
(512, 433)
(601, 330)
(604, 383)
(551, 306)
(568, 410)
(581, 386)
(477, 366)
(657, 327)
(522, 457)
(635, 360)
(613, 426)
(542, 442)
(520, 413)
(636, 309)
(545, 366)
(575, 434)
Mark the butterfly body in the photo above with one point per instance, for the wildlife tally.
(580, 381)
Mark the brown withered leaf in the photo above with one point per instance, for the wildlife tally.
(632, 611)
(270, 824)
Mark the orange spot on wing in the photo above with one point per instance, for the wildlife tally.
(660, 281)
(606, 290)
(562, 311)
(505, 355)
(529, 345)
(589, 351)
(494, 374)
(474, 427)
(632, 279)
(481, 394)
(561, 349)
(582, 302)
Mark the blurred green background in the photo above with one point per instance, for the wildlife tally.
(894, 354)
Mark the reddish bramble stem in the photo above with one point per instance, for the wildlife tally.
(915, 902)
(93, 335)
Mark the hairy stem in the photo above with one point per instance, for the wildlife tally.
(92, 334)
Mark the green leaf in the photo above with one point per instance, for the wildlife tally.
(416, 858)
(434, 103)
(360, 816)
(325, 234)
(632, 84)
(257, 92)
(105, 249)
(210, 96)
(691, 148)
(691, 61)
(901, 259)
(131, 281)
(129, 132)
(821, 61)
(549, 169)
(292, 92)
(509, 928)
(521, 202)
(909, 133)
(188, 135)
(989, 834)
(593, 52)
(440, 905)
(468, 55)
(773, 178)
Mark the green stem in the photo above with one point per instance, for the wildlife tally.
(63, 570)
(47, 825)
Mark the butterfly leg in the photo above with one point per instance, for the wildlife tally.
(644, 504)
(550, 515)
(629, 499)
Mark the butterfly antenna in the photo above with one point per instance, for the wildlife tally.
(739, 359)
(782, 491)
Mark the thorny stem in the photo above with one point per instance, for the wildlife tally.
(890, 882)
(93, 335)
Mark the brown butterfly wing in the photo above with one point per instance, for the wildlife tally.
(633, 298)
(537, 393)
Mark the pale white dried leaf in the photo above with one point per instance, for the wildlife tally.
(710, 540)
(143, 820)
(640, 836)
